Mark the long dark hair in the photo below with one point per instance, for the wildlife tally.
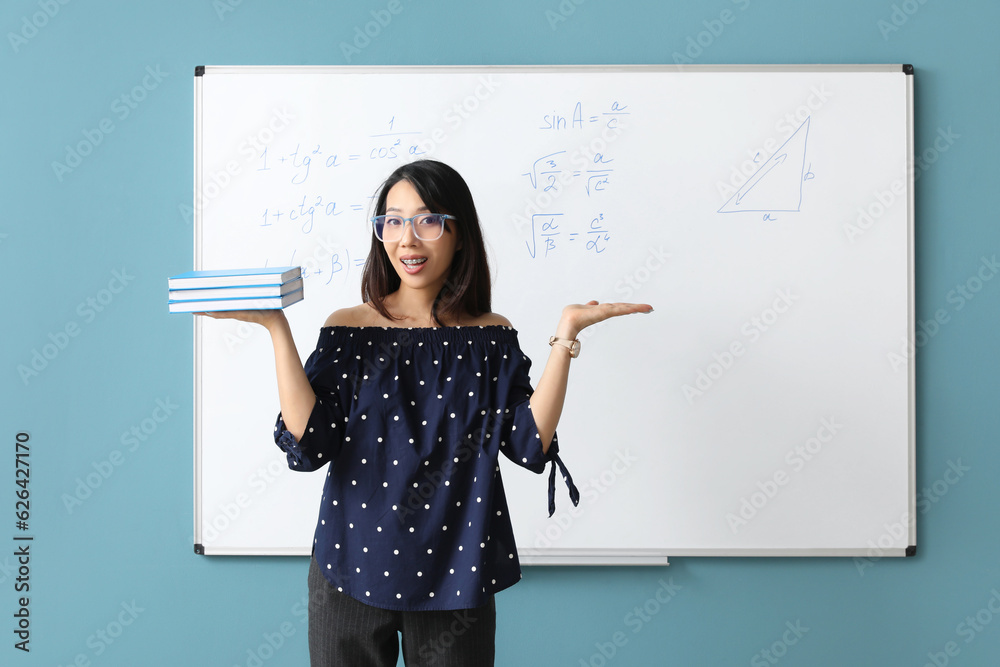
(443, 190)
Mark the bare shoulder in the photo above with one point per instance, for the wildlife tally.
(490, 319)
(355, 316)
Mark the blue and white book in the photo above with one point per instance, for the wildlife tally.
(250, 303)
(253, 291)
(275, 275)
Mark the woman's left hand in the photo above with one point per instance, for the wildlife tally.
(577, 317)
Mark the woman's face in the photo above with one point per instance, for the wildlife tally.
(420, 264)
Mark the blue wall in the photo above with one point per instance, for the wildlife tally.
(85, 254)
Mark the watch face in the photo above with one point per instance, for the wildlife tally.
(572, 345)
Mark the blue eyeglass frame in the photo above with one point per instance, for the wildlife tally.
(443, 216)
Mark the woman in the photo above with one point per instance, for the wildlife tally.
(412, 395)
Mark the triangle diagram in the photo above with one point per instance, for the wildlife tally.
(777, 184)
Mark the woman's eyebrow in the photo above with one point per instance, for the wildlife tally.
(396, 209)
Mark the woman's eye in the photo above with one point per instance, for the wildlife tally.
(393, 222)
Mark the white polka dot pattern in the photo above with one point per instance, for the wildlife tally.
(424, 521)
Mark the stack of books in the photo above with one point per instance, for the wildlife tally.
(236, 289)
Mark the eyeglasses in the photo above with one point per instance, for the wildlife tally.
(426, 226)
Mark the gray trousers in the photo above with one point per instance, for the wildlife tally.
(344, 632)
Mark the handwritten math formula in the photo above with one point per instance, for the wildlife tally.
(306, 211)
(315, 171)
(323, 267)
(308, 159)
(551, 232)
(549, 172)
(576, 120)
(584, 165)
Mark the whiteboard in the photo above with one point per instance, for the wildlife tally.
(765, 408)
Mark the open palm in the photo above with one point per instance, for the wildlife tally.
(577, 317)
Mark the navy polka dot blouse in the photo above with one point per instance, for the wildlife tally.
(412, 421)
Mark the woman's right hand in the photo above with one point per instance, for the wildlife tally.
(266, 318)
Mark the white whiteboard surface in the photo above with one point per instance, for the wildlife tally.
(765, 212)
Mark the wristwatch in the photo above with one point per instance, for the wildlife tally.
(572, 345)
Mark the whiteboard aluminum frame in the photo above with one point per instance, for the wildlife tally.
(611, 557)
(196, 321)
(912, 307)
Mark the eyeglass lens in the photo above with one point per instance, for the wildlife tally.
(426, 227)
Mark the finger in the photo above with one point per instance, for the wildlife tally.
(617, 309)
(632, 306)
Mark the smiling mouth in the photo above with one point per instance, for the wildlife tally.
(414, 262)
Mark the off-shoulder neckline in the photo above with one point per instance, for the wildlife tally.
(474, 327)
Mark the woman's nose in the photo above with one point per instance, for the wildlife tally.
(408, 235)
